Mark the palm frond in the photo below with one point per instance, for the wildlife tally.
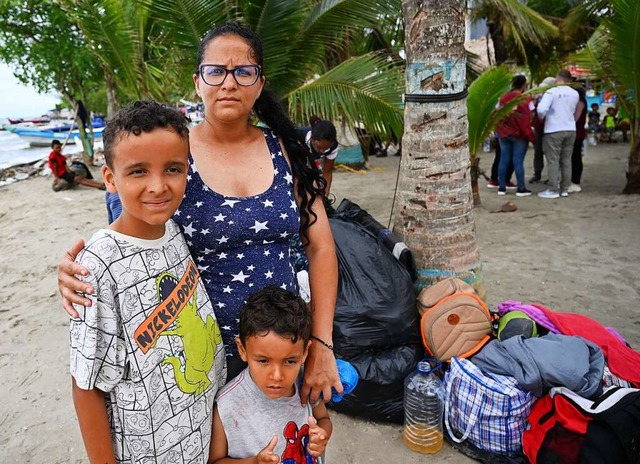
(484, 94)
(520, 23)
(595, 55)
(365, 90)
(624, 28)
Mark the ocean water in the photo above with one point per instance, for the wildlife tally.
(14, 150)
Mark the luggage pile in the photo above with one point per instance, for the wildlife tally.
(525, 384)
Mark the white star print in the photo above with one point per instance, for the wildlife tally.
(258, 226)
(267, 242)
(231, 223)
(220, 304)
(203, 268)
(251, 268)
(230, 203)
(200, 258)
(247, 209)
(205, 188)
(223, 239)
(248, 242)
(251, 285)
(266, 252)
(189, 217)
(293, 204)
(275, 172)
(188, 177)
(284, 215)
(240, 277)
(194, 168)
(219, 217)
(284, 234)
(267, 203)
(225, 327)
(199, 204)
(227, 289)
(189, 230)
(222, 255)
(281, 255)
(207, 251)
(283, 286)
(268, 274)
(289, 178)
(240, 255)
(177, 213)
(205, 231)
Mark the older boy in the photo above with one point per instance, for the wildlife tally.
(258, 415)
(147, 357)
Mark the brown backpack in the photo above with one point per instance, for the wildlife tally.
(455, 321)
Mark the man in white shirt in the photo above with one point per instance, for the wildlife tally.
(557, 107)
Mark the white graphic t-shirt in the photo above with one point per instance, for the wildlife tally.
(151, 341)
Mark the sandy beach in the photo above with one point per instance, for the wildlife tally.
(576, 254)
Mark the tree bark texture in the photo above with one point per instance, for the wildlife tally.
(434, 206)
(633, 174)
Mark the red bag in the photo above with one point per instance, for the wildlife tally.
(568, 429)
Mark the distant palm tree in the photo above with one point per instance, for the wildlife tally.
(434, 208)
(149, 47)
(613, 55)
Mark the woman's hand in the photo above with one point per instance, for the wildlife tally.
(68, 284)
(320, 374)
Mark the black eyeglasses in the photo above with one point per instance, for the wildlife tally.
(213, 74)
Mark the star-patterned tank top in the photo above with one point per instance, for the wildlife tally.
(241, 244)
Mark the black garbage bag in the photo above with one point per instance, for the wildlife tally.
(375, 306)
(349, 211)
(380, 390)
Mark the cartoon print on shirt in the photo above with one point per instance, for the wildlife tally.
(177, 314)
(296, 441)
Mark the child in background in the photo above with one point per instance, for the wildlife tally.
(609, 124)
(593, 118)
(258, 415)
(147, 356)
(60, 170)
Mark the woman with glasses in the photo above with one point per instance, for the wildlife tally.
(249, 190)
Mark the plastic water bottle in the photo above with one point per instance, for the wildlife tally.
(486, 146)
(423, 408)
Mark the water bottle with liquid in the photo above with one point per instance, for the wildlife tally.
(423, 408)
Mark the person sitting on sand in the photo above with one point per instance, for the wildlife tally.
(60, 170)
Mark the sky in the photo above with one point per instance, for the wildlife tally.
(20, 101)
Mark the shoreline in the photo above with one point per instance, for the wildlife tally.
(576, 254)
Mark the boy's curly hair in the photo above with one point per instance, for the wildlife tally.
(277, 310)
(141, 116)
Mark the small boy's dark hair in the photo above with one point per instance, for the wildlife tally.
(55, 142)
(141, 116)
(273, 309)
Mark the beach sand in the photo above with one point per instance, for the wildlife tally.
(577, 254)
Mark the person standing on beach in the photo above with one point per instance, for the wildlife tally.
(60, 170)
(558, 107)
(147, 358)
(249, 190)
(323, 142)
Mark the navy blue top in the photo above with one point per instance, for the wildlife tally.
(241, 244)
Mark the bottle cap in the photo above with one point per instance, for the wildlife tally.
(428, 365)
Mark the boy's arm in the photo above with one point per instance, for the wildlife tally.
(94, 424)
(320, 429)
(218, 449)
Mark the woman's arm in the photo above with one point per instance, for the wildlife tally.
(94, 424)
(327, 173)
(69, 284)
(321, 372)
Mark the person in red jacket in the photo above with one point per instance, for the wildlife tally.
(514, 135)
(60, 170)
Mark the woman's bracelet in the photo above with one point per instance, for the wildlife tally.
(323, 342)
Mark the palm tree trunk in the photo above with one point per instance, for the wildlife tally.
(633, 174)
(434, 205)
(499, 45)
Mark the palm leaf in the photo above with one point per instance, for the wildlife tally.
(624, 27)
(484, 94)
(365, 90)
(520, 23)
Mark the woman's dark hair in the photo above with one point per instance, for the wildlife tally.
(141, 116)
(273, 309)
(518, 81)
(322, 129)
(310, 183)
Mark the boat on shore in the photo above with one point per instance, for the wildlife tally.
(43, 138)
